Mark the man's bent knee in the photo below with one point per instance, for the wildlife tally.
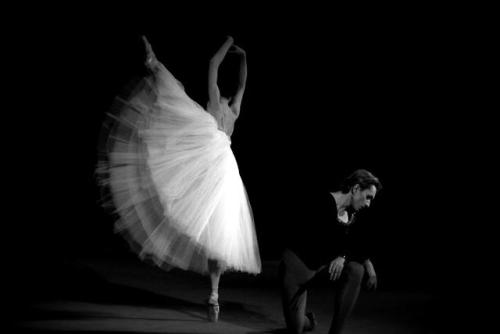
(354, 271)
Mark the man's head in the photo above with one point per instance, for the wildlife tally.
(362, 186)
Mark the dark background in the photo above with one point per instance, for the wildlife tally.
(327, 93)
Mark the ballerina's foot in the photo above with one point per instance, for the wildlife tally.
(213, 310)
(213, 307)
(151, 60)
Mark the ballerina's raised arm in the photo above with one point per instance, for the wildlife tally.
(236, 101)
(213, 69)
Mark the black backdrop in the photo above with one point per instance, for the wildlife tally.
(323, 98)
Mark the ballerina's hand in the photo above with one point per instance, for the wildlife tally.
(236, 49)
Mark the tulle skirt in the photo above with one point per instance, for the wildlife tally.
(174, 182)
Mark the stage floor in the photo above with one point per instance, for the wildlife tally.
(126, 295)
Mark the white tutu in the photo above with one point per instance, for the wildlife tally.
(175, 183)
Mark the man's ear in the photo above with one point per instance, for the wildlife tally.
(355, 188)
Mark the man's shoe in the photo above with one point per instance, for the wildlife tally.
(312, 321)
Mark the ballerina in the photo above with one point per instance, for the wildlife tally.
(173, 177)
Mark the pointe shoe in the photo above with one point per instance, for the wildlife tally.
(213, 311)
(151, 60)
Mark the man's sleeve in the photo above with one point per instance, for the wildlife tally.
(362, 239)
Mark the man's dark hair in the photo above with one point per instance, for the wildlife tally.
(364, 178)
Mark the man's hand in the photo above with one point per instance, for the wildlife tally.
(371, 283)
(335, 268)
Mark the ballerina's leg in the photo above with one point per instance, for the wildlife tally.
(215, 271)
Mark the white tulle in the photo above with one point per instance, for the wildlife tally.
(175, 183)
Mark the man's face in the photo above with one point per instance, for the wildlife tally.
(362, 198)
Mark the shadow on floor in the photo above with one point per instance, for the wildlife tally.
(73, 293)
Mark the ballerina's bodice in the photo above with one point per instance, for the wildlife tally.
(224, 116)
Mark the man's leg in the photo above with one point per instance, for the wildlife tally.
(346, 294)
(293, 276)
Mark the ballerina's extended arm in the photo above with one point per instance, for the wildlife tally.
(213, 69)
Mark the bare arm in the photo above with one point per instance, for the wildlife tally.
(236, 103)
(371, 283)
(213, 69)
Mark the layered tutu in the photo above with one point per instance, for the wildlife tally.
(174, 182)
